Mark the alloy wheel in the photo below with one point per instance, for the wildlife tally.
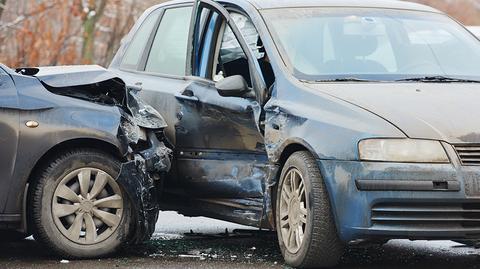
(293, 211)
(87, 207)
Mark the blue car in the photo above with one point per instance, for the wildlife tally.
(327, 121)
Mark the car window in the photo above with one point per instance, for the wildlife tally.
(168, 54)
(231, 49)
(135, 50)
(232, 60)
(372, 44)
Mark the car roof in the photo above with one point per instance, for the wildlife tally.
(394, 4)
(475, 30)
(272, 4)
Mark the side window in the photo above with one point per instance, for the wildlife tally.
(231, 49)
(231, 59)
(133, 56)
(168, 54)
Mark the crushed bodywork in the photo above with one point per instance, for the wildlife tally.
(140, 135)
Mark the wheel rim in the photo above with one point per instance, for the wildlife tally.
(87, 206)
(293, 211)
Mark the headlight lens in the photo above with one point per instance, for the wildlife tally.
(402, 150)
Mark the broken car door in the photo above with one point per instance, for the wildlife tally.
(221, 159)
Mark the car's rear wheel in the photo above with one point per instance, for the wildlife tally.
(305, 226)
(78, 208)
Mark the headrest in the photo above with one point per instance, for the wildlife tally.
(359, 45)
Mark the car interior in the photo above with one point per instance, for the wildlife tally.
(231, 59)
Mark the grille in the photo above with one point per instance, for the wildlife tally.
(427, 216)
(469, 155)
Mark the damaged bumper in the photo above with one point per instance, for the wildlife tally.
(149, 159)
(401, 200)
(141, 178)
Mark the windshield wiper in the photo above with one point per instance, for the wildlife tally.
(439, 79)
(346, 79)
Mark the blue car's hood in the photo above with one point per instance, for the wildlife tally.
(447, 111)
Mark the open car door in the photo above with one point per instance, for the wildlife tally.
(203, 9)
(222, 162)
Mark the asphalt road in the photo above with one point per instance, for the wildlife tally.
(181, 242)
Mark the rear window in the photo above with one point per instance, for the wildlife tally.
(135, 50)
(169, 50)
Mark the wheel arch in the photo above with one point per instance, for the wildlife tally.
(289, 147)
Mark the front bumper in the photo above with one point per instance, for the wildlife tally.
(401, 200)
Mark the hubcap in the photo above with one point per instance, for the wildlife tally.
(293, 211)
(87, 206)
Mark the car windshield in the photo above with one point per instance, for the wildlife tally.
(365, 44)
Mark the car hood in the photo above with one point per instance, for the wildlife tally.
(96, 84)
(67, 76)
(443, 111)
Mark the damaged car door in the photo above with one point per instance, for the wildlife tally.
(221, 160)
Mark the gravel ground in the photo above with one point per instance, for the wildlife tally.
(181, 242)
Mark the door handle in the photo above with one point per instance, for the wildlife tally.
(187, 98)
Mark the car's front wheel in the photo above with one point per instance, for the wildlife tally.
(78, 209)
(305, 226)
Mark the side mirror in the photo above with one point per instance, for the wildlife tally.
(234, 86)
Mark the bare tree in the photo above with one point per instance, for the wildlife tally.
(92, 12)
(466, 11)
(3, 3)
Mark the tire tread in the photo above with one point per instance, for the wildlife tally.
(325, 248)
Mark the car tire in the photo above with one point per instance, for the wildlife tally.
(305, 225)
(78, 210)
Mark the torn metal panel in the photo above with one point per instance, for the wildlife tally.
(270, 183)
(141, 178)
(223, 178)
(144, 115)
(246, 211)
(238, 186)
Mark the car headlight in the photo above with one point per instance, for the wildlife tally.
(402, 150)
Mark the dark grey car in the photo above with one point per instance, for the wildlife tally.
(81, 158)
(328, 121)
